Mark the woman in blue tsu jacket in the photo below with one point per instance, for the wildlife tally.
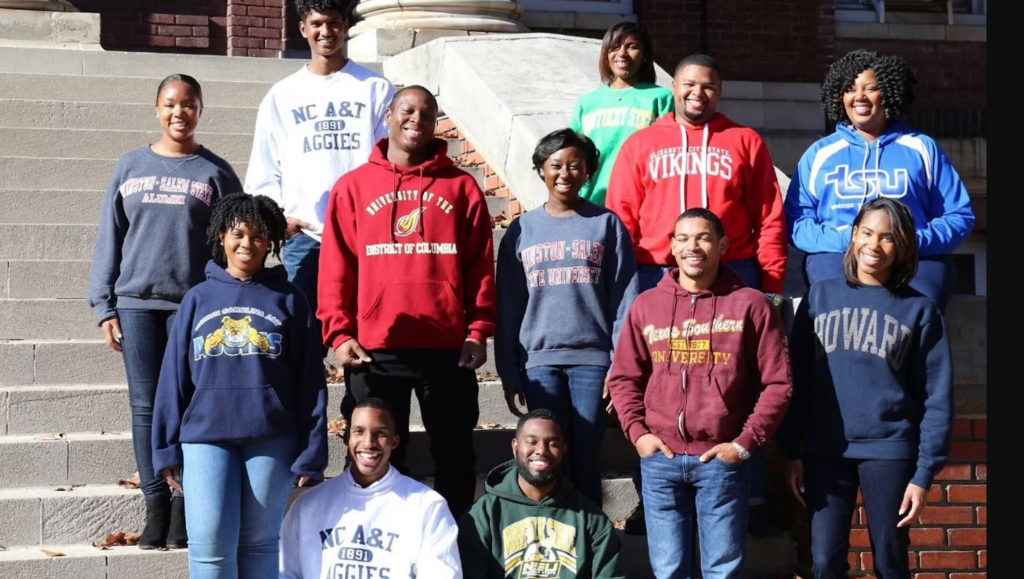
(873, 154)
(241, 407)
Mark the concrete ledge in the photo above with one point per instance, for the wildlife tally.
(905, 31)
(49, 26)
(573, 20)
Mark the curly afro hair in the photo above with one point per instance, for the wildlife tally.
(252, 210)
(895, 79)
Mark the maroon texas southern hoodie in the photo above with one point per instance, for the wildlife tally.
(689, 367)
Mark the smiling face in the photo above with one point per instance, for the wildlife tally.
(539, 449)
(412, 121)
(874, 248)
(625, 60)
(697, 249)
(370, 442)
(325, 32)
(565, 172)
(696, 90)
(246, 248)
(178, 107)
(863, 104)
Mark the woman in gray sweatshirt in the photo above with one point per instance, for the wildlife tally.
(150, 250)
(566, 279)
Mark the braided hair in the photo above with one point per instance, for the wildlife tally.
(252, 210)
(896, 81)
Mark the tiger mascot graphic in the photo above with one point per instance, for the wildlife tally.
(236, 334)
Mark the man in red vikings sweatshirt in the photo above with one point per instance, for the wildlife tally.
(698, 157)
(406, 291)
(693, 357)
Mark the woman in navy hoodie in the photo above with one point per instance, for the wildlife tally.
(241, 403)
(874, 154)
(872, 403)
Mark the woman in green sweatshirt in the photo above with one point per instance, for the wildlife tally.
(627, 101)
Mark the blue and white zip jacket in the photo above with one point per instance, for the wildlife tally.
(843, 171)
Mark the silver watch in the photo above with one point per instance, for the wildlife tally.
(744, 453)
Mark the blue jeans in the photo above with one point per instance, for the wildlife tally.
(144, 339)
(301, 259)
(574, 394)
(750, 270)
(831, 494)
(235, 497)
(680, 491)
(936, 274)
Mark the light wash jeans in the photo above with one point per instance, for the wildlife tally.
(235, 496)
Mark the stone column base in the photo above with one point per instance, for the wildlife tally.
(379, 44)
(49, 27)
(49, 5)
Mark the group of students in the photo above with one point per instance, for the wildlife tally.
(648, 286)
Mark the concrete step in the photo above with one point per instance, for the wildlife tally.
(104, 408)
(32, 59)
(88, 458)
(108, 144)
(88, 562)
(63, 279)
(52, 205)
(54, 114)
(123, 90)
(21, 173)
(46, 319)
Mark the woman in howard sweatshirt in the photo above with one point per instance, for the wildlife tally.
(872, 396)
(241, 407)
(566, 278)
(150, 249)
(872, 153)
(627, 100)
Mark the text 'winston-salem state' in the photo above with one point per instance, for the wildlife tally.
(590, 251)
(166, 190)
(329, 124)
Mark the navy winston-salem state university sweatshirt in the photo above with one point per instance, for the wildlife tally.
(243, 362)
(872, 378)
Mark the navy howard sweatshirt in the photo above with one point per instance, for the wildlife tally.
(872, 378)
(243, 362)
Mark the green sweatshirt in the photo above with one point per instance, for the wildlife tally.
(609, 116)
(564, 536)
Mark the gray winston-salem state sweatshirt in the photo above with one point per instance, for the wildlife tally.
(151, 246)
(565, 285)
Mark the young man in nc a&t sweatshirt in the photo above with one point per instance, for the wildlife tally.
(371, 521)
(693, 357)
(407, 295)
(531, 521)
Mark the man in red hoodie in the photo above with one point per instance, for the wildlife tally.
(694, 355)
(406, 291)
(698, 157)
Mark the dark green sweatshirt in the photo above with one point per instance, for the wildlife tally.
(564, 536)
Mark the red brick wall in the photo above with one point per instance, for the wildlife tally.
(949, 540)
(255, 28)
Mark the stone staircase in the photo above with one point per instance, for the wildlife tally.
(65, 439)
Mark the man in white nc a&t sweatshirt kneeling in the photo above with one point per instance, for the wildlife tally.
(370, 521)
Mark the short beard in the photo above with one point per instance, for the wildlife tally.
(695, 117)
(537, 480)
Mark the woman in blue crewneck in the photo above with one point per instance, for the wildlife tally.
(872, 154)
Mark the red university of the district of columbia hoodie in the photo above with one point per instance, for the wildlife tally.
(407, 258)
(721, 166)
(689, 366)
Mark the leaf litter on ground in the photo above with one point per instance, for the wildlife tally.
(337, 426)
(121, 539)
(132, 482)
(50, 553)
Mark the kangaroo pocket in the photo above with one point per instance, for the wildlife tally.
(235, 412)
(405, 313)
(663, 401)
(708, 416)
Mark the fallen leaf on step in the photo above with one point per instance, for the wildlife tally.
(121, 539)
(50, 436)
(132, 482)
(52, 553)
(619, 525)
(337, 426)
(132, 538)
(64, 488)
(2, 548)
(335, 374)
(486, 376)
(488, 426)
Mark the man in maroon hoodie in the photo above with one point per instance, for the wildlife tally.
(694, 356)
(406, 290)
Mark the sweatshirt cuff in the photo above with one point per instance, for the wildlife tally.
(478, 335)
(104, 312)
(165, 458)
(749, 441)
(636, 430)
(923, 478)
(341, 339)
(772, 285)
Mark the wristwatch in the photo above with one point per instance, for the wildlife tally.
(744, 453)
(776, 299)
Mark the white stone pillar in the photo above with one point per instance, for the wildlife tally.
(50, 5)
(388, 27)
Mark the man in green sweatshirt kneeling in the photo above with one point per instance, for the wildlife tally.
(532, 522)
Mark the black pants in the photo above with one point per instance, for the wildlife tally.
(449, 407)
(831, 485)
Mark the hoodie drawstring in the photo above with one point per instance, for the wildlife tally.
(395, 180)
(419, 223)
(703, 168)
